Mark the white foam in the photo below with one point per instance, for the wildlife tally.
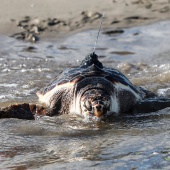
(164, 92)
(8, 85)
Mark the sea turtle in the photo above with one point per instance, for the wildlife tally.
(94, 90)
(90, 90)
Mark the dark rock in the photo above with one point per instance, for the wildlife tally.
(136, 18)
(115, 22)
(113, 32)
(88, 16)
(52, 22)
(122, 52)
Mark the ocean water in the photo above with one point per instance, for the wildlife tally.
(68, 142)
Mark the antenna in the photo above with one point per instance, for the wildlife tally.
(95, 44)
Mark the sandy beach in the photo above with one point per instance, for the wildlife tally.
(57, 18)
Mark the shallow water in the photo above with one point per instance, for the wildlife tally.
(68, 142)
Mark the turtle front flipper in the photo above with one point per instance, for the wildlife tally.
(57, 99)
(151, 105)
(20, 111)
(23, 111)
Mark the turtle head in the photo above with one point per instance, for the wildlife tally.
(95, 102)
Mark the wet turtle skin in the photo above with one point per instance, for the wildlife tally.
(90, 90)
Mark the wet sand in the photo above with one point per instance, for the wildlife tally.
(35, 19)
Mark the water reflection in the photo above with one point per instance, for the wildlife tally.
(64, 139)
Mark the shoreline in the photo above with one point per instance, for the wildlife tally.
(34, 20)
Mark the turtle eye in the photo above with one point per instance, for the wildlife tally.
(93, 99)
(87, 105)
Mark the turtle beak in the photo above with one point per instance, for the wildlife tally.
(98, 110)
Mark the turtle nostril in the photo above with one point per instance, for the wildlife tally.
(98, 107)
